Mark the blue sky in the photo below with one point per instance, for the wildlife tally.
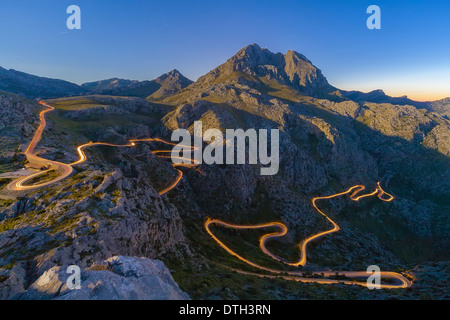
(141, 39)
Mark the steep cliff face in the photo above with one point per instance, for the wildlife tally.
(292, 69)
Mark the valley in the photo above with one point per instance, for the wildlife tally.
(121, 196)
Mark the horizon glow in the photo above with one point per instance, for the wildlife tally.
(141, 40)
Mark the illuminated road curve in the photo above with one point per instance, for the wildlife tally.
(296, 275)
(66, 169)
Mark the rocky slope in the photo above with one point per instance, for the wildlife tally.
(18, 120)
(326, 146)
(329, 141)
(108, 207)
(441, 107)
(118, 278)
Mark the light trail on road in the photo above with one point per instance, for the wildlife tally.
(19, 184)
(296, 275)
(67, 169)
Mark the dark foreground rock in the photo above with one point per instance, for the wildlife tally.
(118, 278)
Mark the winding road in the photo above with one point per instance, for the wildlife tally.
(402, 281)
(66, 170)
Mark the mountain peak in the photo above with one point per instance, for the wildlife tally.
(251, 49)
(173, 72)
(170, 83)
(295, 55)
(174, 76)
(292, 69)
(378, 92)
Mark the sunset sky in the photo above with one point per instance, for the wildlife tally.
(141, 39)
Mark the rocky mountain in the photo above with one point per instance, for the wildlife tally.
(440, 106)
(379, 96)
(326, 145)
(170, 83)
(31, 86)
(162, 86)
(329, 140)
(253, 63)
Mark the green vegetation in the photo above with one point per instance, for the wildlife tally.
(283, 92)
(43, 178)
(99, 267)
(217, 280)
(91, 126)
(62, 224)
(234, 75)
(6, 203)
(30, 217)
(11, 165)
(76, 103)
(4, 182)
(391, 231)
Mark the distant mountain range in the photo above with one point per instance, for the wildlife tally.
(166, 84)
(252, 63)
(31, 86)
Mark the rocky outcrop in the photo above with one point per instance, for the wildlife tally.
(441, 107)
(18, 119)
(118, 278)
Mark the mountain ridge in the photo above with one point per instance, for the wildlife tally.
(32, 86)
(292, 69)
(166, 84)
(250, 64)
